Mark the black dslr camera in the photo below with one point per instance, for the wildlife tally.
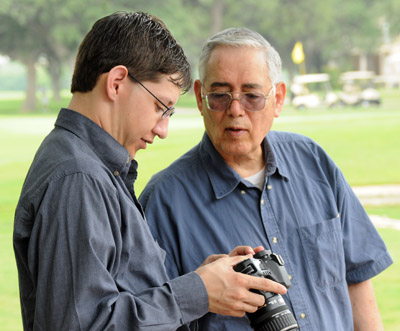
(274, 315)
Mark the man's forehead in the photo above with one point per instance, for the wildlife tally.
(239, 66)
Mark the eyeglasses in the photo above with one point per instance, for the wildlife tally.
(168, 112)
(251, 101)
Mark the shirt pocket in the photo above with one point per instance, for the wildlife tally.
(323, 249)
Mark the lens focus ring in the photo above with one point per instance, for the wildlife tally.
(283, 322)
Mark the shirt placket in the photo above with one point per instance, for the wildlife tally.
(277, 245)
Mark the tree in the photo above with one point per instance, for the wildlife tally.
(51, 28)
(19, 42)
(329, 30)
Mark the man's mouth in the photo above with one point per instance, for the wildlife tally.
(235, 132)
(147, 141)
(235, 129)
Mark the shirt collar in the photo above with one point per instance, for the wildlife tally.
(222, 177)
(111, 152)
(273, 163)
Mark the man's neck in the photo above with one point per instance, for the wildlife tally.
(246, 166)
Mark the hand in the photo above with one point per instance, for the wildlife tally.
(239, 250)
(229, 291)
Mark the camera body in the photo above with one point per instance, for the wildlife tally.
(274, 315)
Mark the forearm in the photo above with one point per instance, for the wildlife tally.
(365, 308)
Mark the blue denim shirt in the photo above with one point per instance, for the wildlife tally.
(306, 212)
(85, 255)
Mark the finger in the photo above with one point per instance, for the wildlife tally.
(258, 249)
(242, 250)
(264, 284)
(254, 300)
(245, 308)
(234, 313)
(240, 308)
(250, 303)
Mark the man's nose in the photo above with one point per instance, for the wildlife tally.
(235, 108)
(161, 128)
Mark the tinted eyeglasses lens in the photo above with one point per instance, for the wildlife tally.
(252, 101)
(218, 101)
(249, 101)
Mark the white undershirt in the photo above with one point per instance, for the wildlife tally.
(257, 179)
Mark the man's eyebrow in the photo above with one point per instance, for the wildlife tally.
(245, 86)
(220, 84)
(252, 86)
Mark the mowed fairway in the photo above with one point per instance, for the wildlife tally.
(363, 142)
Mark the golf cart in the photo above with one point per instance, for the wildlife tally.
(358, 89)
(312, 91)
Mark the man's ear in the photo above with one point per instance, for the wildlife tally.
(197, 91)
(115, 79)
(280, 94)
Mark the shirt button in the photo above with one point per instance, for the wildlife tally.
(262, 201)
(302, 316)
(275, 240)
(269, 187)
(290, 277)
(243, 192)
(116, 173)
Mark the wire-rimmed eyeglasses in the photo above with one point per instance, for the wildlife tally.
(168, 112)
(251, 101)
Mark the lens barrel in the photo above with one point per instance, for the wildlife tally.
(273, 316)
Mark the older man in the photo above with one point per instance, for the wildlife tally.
(246, 184)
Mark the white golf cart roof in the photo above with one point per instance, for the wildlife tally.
(311, 78)
(353, 75)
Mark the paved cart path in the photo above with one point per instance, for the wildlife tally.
(378, 195)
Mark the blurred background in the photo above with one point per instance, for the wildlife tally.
(39, 38)
(341, 63)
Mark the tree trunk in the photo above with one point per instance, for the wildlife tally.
(217, 12)
(30, 92)
(55, 74)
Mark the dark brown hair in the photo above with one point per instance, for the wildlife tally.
(139, 41)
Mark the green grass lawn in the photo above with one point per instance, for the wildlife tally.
(363, 142)
(387, 284)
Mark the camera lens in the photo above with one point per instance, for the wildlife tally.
(273, 316)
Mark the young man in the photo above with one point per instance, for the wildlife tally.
(86, 258)
(246, 184)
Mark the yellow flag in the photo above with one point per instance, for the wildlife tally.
(298, 53)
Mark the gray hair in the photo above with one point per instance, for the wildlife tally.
(242, 37)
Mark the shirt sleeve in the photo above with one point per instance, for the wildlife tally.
(365, 252)
(153, 199)
(77, 256)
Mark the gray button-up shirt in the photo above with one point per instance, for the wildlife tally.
(306, 212)
(86, 258)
